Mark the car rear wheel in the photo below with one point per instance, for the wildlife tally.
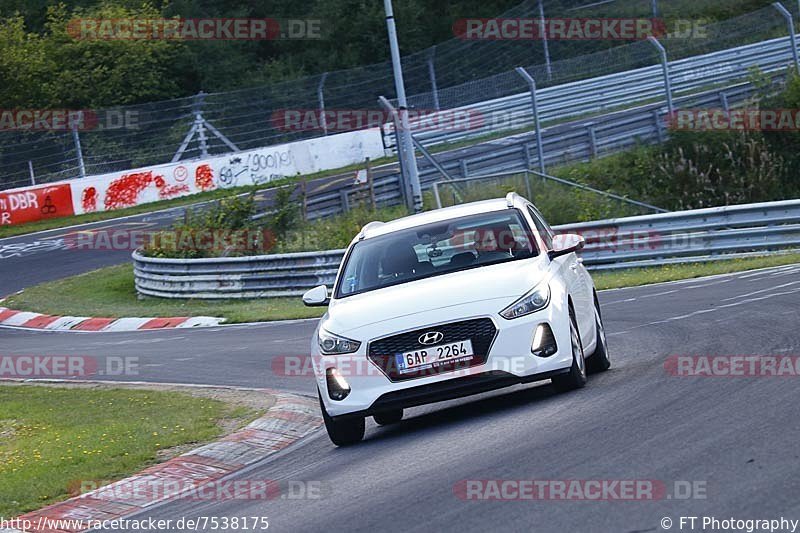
(345, 431)
(599, 360)
(576, 377)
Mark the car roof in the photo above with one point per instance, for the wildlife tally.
(375, 229)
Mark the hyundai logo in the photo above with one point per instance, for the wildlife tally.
(432, 337)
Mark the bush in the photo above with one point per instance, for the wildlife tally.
(224, 229)
(335, 232)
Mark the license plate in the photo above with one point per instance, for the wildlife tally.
(434, 356)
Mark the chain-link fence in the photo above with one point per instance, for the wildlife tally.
(454, 73)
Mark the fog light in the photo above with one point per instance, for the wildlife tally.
(544, 342)
(338, 387)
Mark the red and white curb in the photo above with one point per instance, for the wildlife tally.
(291, 418)
(28, 320)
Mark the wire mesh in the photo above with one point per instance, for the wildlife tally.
(465, 72)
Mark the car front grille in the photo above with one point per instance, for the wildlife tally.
(481, 331)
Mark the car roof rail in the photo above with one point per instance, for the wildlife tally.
(510, 198)
(373, 224)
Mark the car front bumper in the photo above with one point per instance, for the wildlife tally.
(509, 362)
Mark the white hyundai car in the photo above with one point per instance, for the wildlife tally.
(448, 303)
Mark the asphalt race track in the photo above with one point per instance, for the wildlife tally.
(735, 439)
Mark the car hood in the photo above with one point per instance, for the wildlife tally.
(504, 282)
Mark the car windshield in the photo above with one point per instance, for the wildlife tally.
(436, 249)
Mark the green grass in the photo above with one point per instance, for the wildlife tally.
(55, 438)
(109, 292)
(645, 276)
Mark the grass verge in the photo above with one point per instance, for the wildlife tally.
(109, 292)
(53, 438)
(645, 276)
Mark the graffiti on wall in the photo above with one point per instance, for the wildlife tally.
(136, 187)
(35, 204)
(125, 191)
(258, 167)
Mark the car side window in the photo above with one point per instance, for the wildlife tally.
(541, 227)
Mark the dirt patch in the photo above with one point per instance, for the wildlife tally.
(7, 429)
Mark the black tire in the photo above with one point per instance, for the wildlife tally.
(343, 432)
(576, 377)
(599, 361)
(386, 418)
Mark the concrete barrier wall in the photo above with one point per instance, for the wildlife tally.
(118, 190)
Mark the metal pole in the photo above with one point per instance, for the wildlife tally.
(404, 189)
(432, 75)
(78, 151)
(539, 147)
(665, 67)
(410, 167)
(542, 30)
(200, 123)
(790, 22)
(321, 98)
(30, 169)
(655, 8)
(201, 135)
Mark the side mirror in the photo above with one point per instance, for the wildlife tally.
(317, 297)
(566, 244)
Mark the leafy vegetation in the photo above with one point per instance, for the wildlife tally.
(42, 66)
(696, 169)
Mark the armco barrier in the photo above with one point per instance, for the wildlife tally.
(580, 140)
(262, 276)
(647, 240)
(613, 91)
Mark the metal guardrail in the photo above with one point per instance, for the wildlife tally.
(647, 240)
(575, 141)
(262, 276)
(613, 91)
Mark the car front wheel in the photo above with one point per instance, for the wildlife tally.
(576, 377)
(599, 360)
(345, 431)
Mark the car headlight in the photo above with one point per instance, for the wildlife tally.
(537, 299)
(330, 344)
